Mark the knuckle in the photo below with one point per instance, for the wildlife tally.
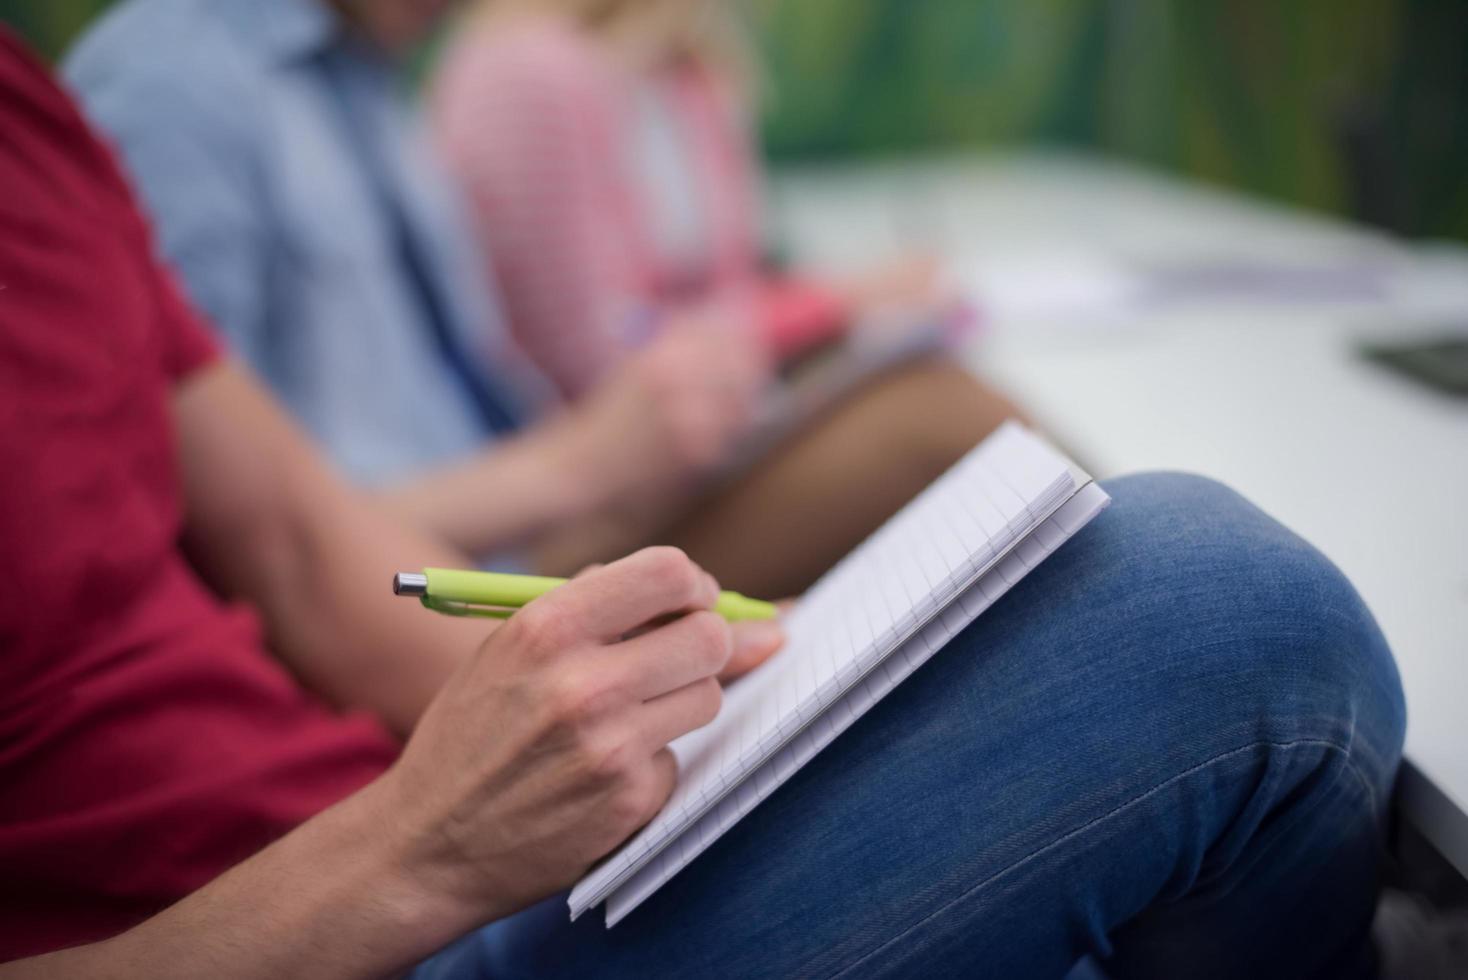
(575, 702)
(542, 628)
(652, 798)
(713, 639)
(610, 761)
(710, 700)
(672, 570)
(641, 798)
(628, 808)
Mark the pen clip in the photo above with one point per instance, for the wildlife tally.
(453, 608)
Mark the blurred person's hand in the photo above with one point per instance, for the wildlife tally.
(907, 282)
(673, 411)
(548, 748)
(907, 293)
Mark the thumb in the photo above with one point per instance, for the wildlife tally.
(755, 641)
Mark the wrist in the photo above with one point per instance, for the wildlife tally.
(342, 895)
(429, 902)
(584, 473)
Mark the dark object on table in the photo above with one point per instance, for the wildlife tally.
(1440, 362)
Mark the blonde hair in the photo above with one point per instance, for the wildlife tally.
(652, 34)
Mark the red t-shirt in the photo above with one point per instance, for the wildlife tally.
(147, 741)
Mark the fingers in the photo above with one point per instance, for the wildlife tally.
(688, 649)
(605, 603)
(702, 384)
(664, 776)
(679, 712)
(755, 641)
(642, 795)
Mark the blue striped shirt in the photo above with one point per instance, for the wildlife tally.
(229, 117)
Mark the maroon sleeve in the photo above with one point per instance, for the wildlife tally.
(69, 169)
(188, 344)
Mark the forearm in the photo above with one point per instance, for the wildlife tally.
(511, 493)
(332, 899)
(331, 615)
(266, 521)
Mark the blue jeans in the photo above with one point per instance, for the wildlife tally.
(1170, 748)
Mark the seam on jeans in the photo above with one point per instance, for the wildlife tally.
(1068, 835)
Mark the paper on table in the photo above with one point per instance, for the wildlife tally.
(1069, 287)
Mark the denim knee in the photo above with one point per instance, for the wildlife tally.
(1286, 629)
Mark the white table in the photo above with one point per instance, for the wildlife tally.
(1265, 393)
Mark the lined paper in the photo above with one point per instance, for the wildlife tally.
(867, 624)
(1071, 516)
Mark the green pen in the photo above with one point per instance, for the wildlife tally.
(497, 594)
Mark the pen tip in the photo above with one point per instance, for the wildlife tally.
(410, 583)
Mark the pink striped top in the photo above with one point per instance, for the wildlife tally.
(607, 201)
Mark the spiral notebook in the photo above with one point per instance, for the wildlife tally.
(867, 624)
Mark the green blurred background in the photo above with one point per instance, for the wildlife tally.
(1358, 107)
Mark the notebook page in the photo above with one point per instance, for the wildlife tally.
(1074, 514)
(857, 614)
